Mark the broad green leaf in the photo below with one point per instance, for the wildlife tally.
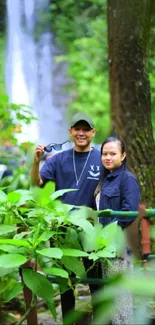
(11, 260)
(109, 233)
(72, 239)
(107, 253)
(69, 207)
(84, 224)
(25, 196)
(74, 265)
(46, 235)
(4, 229)
(71, 235)
(42, 195)
(3, 197)
(13, 249)
(106, 237)
(13, 197)
(51, 307)
(51, 252)
(142, 285)
(93, 256)
(73, 252)
(56, 271)
(16, 242)
(13, 292)
(22, 234)
(3, 210)
(8, 248)
(40, 286)
(3, 188)
(59, 193)
(87, 241)
(5, 271)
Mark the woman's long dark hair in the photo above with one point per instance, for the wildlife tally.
(105, 171)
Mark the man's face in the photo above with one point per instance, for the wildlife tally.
(82, 134)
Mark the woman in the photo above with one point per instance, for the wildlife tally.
(117, 190)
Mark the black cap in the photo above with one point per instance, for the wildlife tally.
(81, 117)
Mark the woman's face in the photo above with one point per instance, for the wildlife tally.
(112, 156)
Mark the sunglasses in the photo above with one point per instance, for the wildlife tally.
(55, 146)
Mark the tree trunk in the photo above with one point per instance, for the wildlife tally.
(128, 33)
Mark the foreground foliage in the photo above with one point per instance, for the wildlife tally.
(36, 228)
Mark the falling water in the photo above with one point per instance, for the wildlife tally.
(30, 71)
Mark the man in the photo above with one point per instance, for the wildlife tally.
(79, 168)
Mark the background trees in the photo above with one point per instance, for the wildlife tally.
(128, 30)
(80, 31)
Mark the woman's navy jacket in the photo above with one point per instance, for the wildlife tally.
(119, 192)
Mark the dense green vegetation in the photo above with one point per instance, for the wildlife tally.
(81, 32)
(152, 70)
(36, 228)
(2, 65)
(80, 29)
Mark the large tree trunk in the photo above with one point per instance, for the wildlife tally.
(128, 33)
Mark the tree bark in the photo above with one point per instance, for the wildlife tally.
(128, 34)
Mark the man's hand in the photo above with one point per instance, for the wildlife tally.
(35, 174)
(38, 154)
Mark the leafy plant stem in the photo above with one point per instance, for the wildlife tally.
(33, 303)
(20, 217)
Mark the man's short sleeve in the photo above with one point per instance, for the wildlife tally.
(48, 170)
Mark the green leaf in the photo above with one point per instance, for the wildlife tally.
(13, 292)
(42, 195)
(93, 256)
(87, 241)
(107, 236)
(4, 229)
(46, 235)
(12, 260)
(71, 235)
(59, 193)
(40, 286)
(13, 197)
(3, 197)
(51, 252)
(73, 252)
(16, 242)
(78, 220)
(56, 271)
(8, 248)
(107, 253)
(25, 196)
(140, 285)
(5, 271)
(74, 265)
(22, 234)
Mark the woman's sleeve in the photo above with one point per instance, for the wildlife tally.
(130, 198)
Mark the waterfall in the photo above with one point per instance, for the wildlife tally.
(31, 74)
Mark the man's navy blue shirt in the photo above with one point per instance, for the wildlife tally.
(60, 169)
(119, 192)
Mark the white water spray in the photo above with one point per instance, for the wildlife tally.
(29, 71)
